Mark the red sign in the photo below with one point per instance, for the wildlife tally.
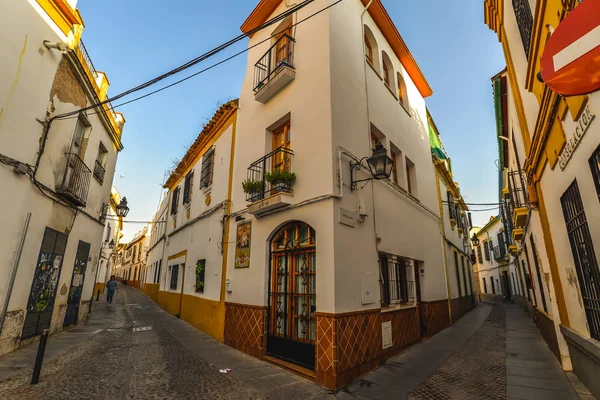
(571, 59)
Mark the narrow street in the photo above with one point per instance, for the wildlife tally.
(480, 357)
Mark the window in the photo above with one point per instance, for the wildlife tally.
(281, 139)
(411, 177)
(538, 271)
(457, 274)
(208, 165)
(515, 287)
(100, 165)
(374, 141)
(175, 201)
(157, 280)
(78, 145)
(394, 156)
(388, 70)
(451, 206)
(479, 255)
(368, 50)
(493, 286)
(527, 280)
(595, 166)
(524, 22)
(486, 248)
(200, 268)
(403, 93)
(484, 285)
(187, 188)
(174, 276)
(396, 279)
(467, 276)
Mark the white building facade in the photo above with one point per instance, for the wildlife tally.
(58, 171)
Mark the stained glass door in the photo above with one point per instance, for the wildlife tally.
(292, 296)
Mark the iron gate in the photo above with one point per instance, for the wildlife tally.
(81, 259)
(45, 281)
(584, 256)
(292, 298)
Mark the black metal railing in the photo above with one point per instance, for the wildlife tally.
(524, 22)
(99, 171)
(258, 185)
(518, 189)
(75, 183)
(88, 60)
(279, 55)
(499, 252)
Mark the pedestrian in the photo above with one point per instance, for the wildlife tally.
(111, 288)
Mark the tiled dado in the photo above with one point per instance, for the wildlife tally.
(435, 316)
(349, 345)
(461, 305)
(245, 327)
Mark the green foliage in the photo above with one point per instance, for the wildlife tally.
(279, 176)
(200, 267)
(252, 186)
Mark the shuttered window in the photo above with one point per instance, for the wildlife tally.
(174, 276)
(486, 249)
(208, 165)
(187, 187)
(175, 201)
(479, 255)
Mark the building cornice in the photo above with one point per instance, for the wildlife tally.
(61, 14)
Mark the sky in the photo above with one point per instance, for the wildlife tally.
(133, 41)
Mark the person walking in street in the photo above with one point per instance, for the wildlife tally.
(111, 288)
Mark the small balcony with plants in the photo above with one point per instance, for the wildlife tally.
(75, 183)
(275, 69)
(517, 185)
(270, 182)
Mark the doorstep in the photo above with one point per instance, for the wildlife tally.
(296, 369)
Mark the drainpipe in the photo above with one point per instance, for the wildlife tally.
(14, 271)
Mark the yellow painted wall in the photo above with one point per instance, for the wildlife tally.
(169, 301)
(99, 286)
(151, 289)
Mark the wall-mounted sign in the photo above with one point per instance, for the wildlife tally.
(582, 126)
(571, 59)
(386, 334)
(242, 245)
(347, 217)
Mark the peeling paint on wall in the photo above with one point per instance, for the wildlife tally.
(14, 84)
(66, 87)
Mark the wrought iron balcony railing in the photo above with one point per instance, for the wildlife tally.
(518, 189)
(499, 252)
(279, 55)
(270, 175)
(75, 182)
(99, 172)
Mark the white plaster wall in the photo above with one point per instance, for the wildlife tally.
(554, 183)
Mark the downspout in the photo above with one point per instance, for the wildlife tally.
(443, 240)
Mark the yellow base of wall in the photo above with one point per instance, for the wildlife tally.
(151, 289)
(203, 314)
(99, 286)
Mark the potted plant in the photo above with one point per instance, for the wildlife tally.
(253, 188)
(281, 180)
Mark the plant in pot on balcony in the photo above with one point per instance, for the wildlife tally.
(281, 181)
(253, 188)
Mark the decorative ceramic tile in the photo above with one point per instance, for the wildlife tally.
(245, 328)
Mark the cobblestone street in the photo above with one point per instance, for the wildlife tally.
(481, 357)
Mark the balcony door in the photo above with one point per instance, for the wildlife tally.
(281, 139)
(77, 279)
(283, 49)
(291, 331)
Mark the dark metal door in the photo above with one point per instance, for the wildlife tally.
(292, 298)
(45, 281)
(584, 256)
(77, 279)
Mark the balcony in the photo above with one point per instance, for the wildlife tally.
(75, 182)
(269, 184)
(518, 197)
(275, 70)
(99, 172)
(499, 252)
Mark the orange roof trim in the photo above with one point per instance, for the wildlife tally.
(266, 8)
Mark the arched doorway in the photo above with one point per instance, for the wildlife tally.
(291, 332)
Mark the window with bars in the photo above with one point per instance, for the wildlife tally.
(187, 188)
(208, 165)
(595, 166)
(397, 279)
(524, 22)
(174, 277)
(487, 248)
(175, 201)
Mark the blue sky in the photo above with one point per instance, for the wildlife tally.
(135, 40)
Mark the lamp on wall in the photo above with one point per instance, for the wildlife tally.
(122, 209)
(380, 166)
(111, 245)
(475, 240)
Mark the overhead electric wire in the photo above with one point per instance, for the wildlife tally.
(112, 107)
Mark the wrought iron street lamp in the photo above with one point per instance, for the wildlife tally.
(475, 240)
(380, 166)
(111, 245)
(122, 209)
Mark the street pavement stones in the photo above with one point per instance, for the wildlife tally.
(485, 355)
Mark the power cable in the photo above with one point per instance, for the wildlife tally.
(112, 107)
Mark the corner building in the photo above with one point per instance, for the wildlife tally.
(328, 277)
